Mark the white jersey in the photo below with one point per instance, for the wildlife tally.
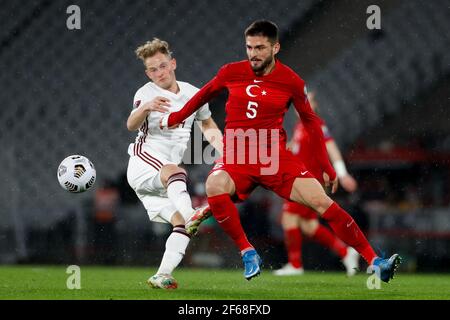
(170, 144)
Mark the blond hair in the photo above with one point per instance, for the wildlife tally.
(150, 48)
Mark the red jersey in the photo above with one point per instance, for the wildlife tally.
(302, 146)
(258, 103)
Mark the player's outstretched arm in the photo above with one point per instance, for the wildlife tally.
(138, 115)
(206, 93)
(345, 179)
(213, 134)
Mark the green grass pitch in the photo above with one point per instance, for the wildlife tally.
(129, 283)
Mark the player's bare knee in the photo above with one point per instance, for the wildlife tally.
(177, 219)
(319, 202)
(324, 205)
(214, 188)
(217, 184)
(309, 226)
(289, 221)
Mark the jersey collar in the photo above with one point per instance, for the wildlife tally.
(170, 93)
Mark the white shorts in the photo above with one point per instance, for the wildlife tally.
(143, 175)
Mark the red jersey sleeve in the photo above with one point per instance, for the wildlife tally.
(206, 93)
(313, 125)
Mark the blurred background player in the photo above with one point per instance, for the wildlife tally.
(106, 208)
(297, 219)
(153, 169)
(260, 90)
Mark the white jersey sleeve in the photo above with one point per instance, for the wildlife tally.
(139, 99)
(203, 113)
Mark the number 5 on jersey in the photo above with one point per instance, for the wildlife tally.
(251, 109)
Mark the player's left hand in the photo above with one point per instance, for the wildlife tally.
(333, 184)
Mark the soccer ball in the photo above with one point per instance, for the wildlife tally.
(76, 174)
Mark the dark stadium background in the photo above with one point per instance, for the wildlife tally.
(384, 93)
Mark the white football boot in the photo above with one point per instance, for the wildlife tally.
(162, 281)
(351, 261)
(289, 270)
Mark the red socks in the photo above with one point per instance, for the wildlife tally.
(348, 231)
(293, 243)
(326, 238)
(340, 221)
(227, 216)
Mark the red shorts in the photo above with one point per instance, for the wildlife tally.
(314, 168)
(299, 209)
(247, 177)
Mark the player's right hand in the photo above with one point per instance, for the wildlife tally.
(163, 122)
(159, 104)
(348, 183)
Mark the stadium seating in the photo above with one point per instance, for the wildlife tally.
(379, 73)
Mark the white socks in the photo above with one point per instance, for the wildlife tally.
(175, 248)
(178, 240)
(178, 195)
